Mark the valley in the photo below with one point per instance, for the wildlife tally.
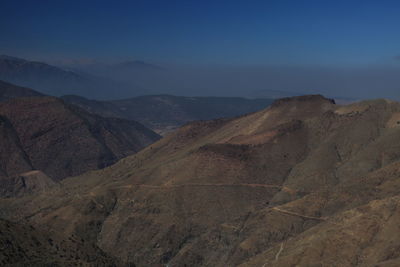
(264, 189)
(199, 133)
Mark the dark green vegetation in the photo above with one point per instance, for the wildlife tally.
(164, 113)
(302, 183)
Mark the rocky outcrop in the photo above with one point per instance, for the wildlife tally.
(31, 182)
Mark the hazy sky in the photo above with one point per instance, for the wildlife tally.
(338, 48)
(204, 32)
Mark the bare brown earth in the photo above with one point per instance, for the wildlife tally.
(302, 183)
(25, 245)
(44, 133)
(31, 182)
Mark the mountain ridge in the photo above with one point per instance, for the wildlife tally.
(57, 81)
(44, 123)
(247, 191)
(43, 139)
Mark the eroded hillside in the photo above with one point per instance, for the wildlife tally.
(301, 183)
(44, 133)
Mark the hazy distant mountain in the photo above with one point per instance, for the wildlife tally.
(304, 182)
(57, 81)
(135, 77)
(52, 80)
(163, 113)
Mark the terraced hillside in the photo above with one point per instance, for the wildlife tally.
(304, 182)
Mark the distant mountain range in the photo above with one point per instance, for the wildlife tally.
(56, 81)
(163, 113)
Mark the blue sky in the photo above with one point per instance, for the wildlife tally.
(341, 33)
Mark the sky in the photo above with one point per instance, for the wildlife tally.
(205, 32)
(298, 33)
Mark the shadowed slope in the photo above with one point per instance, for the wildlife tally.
(24, 245)
(62, 140)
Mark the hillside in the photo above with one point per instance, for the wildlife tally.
(304, 182)
(24, 245)
(44, 133)
(9, 91)
(164, 113)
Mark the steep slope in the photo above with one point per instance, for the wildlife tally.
(31, 182)
(61, 140)
(24, 245)
(303, 182)
(164, 113)
(13, 159)
(9, 91)
(102, 108)
(363, 236)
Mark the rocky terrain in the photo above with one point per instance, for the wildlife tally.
(61, 140)
(165, 113)
(31, 182)
(304, 182)
(23, 245)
